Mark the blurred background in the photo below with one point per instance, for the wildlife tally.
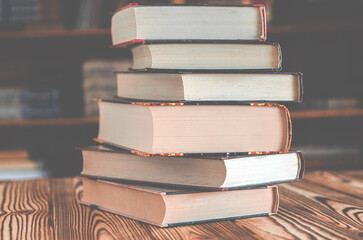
(55, 57)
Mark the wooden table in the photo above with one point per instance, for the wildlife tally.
(325, 205)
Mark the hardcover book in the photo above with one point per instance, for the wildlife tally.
(207, 56)
(217, 172)
(204, 86)
(194, 127)
(139, 23)
(171, 206)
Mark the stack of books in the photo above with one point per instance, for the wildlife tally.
(193, 134)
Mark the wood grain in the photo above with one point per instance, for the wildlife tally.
(325, 205)
(24, 210)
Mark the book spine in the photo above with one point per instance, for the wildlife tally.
(301, 166)
(279, 57)
(301, 88)
(264, 22)
(30, 112)
(276, 200)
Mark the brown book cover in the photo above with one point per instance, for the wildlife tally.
(170, 206)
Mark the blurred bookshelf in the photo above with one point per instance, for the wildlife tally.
(329, 113)
(50, 33)
(310, 28)
(72, 57)
(56, 33)
(94, 120)
(49, 122)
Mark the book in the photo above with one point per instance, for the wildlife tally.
(14, 153)
(16, 159)
(206, 56)
(194, 127)
(11, 112)
(40, 97)
(195, 171)
(99, 81)
(17, 165)
(137, 23)
(93, 13)
(21, 174)
(22, 103)
(40, 103)
(169, 206)
(40, 112)
(253, 87)
(10, 96)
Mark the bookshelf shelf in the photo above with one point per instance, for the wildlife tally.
(58, 33)
(49, 122)
(326, 113)
(314, 28)
(51, 33)
(94, 120)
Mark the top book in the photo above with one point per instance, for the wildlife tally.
(139, 23)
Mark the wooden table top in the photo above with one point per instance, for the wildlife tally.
(324, 205)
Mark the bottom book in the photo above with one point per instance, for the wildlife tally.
(171, 206)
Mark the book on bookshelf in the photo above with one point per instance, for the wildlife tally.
(170, 206)
(195, 171)
(30, 14)
(204, 86)
(40, 103)
(206, 56)
(17, 165)
(93, 13)
(135, 23)
(22, 103)
(10, 96)
(188, 127)
(99, 81)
